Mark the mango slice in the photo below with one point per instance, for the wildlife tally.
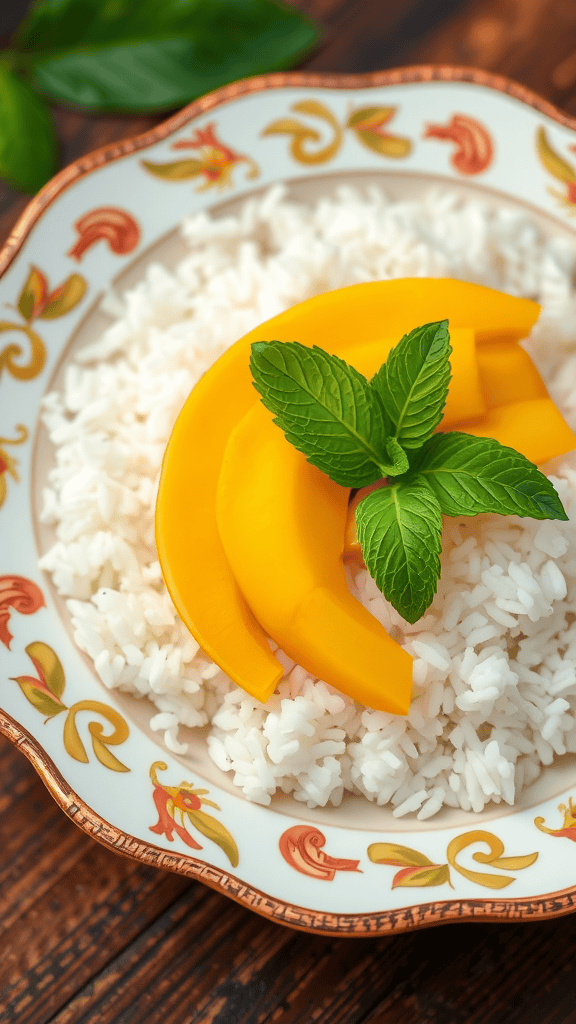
(193, 562)
(535, 428)
(507, 375)
(281, 522)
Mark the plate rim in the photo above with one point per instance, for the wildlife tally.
(373, 923)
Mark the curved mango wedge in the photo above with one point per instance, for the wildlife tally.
(281, 522)
(507, 375)
(193, 562)
(535, 428)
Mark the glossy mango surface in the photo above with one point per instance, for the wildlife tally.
(194, 564)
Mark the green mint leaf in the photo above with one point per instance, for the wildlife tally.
(28, 151)
(478, 474)
(413, 382)
(399, 529)
(398, 459)
(156, 54)
(325, 407)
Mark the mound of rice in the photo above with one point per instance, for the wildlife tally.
(495, 656)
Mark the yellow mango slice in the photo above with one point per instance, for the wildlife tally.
(466, 392)
(193, 562)
(281, 522)
(507, 375)
(535, 428)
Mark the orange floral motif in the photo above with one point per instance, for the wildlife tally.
(417, 870)
(560, 169)
(367, 124)
(110, 224)
(37, 302)
(8, 464)
(214, 162)
(568, 829)
(20, 594)
(301, 847)
(44, 691)
(185, 800)
(474, 148)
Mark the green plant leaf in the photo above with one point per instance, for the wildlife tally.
(326, 409)
(471, 474)
(399, 530)
(398, 459)
(150, 55)
(28, 151)
(413, 382)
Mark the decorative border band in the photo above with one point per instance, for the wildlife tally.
(319, 922)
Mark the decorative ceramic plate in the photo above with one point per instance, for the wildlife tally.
(355, 869)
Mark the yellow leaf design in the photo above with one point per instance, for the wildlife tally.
(33, 294)
(370, 117)
(10, 355)
(302, 133)
(48, 665)
(392, 146)
(553, 162)
(493, 857)
(391, 853)
(39, 699)
(368, 124)
(106, 757)
(64, 298)
(215, 831)
(180, 170)
(100, 742)
(437, 874)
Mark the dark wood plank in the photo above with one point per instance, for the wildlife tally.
(67, 905)
(532, 41)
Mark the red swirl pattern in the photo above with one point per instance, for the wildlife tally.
(474, 148)
(20, 594)
(116, 227)
(301, 847)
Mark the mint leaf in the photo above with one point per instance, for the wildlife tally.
(151, 55)
(399, 530)
(28, 152)
(471, 474)
(326, 408)
(413, 382)
(398, 459)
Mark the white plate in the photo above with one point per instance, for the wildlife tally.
(99, 221)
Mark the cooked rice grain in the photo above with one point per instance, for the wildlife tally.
(495, 656)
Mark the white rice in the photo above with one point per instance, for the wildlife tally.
(495, 656)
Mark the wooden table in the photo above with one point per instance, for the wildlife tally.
(88, 936)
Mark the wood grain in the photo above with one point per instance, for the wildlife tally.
(87, 937)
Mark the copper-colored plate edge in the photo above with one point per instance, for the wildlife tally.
(375, 923)
(318, 922)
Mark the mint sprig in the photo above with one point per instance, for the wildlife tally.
(399, 529)
(358, 431)
(326, 409)
(470, 474)
(413, 383)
